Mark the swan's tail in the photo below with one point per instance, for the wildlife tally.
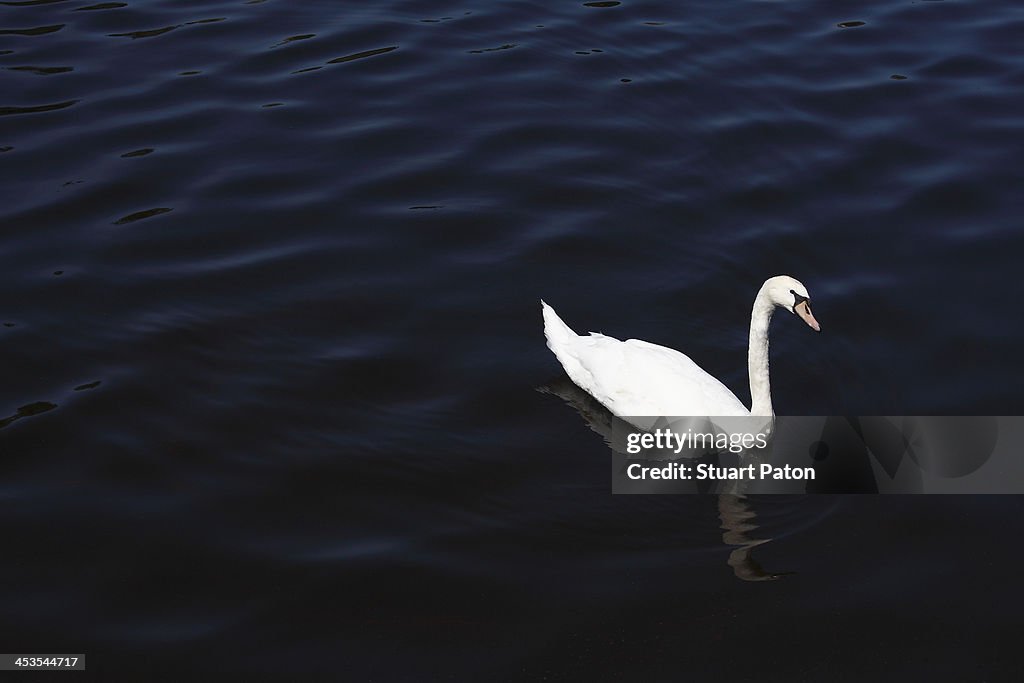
(560, 337)
(556, 331)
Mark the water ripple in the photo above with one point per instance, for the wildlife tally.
(151, 33)
(35, 109)
(42, 70)
(37, 31)
(292, 39)
(362, 55)
(29, 3)
(507, 46)
(141, 215)
(102, 6)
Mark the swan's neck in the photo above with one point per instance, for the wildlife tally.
(757, 356)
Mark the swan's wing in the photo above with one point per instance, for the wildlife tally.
(636, 378)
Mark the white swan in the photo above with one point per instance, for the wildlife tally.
(635, 378)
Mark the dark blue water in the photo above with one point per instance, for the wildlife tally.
(272, 339)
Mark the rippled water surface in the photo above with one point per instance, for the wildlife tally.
(272, 341)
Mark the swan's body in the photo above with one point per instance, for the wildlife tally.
(635, 378)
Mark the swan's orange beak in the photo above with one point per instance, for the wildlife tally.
(803, 309)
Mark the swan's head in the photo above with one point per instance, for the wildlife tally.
(789, 293)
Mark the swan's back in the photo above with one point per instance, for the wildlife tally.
(635, 378)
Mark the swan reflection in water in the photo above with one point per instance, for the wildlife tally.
(738, 517)
(734, 508)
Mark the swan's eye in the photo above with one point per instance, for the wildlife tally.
(798, 299)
